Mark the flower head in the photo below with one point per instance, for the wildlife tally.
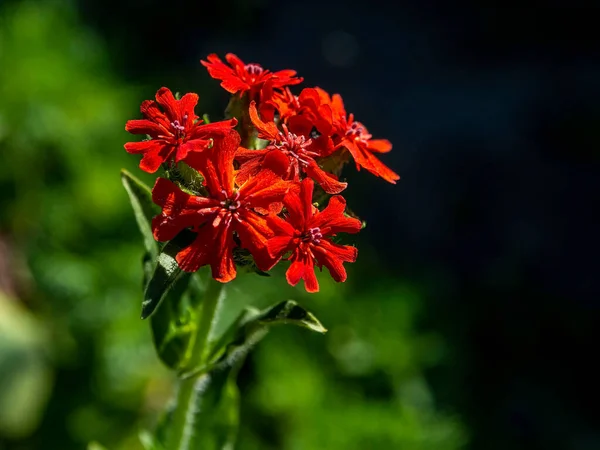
(238, 77)
(174, 129)
(330, 117)
(228, 214)
(296, 145)
(306, 233)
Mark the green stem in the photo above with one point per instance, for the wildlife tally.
(182, 422)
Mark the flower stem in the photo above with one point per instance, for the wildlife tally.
(183, 420)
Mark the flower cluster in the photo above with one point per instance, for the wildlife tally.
(251, 192)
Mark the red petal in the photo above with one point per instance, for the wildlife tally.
(379, 145)
(216, 163)
(235, 62)
(143, 146)
(306, 195)
(268, 130)
(296, 270)
(220, 71)
(324, 120)
(186, 106)
(234, 85)
(337, 105)
(179, 210)
(197, 145)
(254, 231)
(327, 181)
(165, 98)
(333, 256)
(222, 264)
(295, 210)
(279, 226)
(251, 162)
(263, 189)
(278, 245)
(214, 246)
(309, 97)
(154, 157)
(300, 125)
(191, 258)
(332, 217)
(276, 161)
(152, 112)
(144, 126)
(366, 159)
(213, 130)
(302, 268)
(287, 73)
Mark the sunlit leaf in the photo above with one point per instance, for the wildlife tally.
(144, 209)
(173, 324)
(95, 446)
(251, 326)
(148, 441)
(166, 273)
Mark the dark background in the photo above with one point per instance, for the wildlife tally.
(494, 115)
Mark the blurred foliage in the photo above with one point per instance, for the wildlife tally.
(77, 364)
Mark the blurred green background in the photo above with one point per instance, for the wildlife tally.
(471, 317)
(76, 362)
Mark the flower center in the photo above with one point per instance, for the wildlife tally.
(313, 235)
(253, 69)
(357, 132)
(231, 204)
(179, 128)
(295, 147)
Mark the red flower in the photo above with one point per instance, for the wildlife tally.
(174, 129)
(295, 143)
(240, 77)
(306, 234)
(227, 210)
(310, 104)
(345, 131)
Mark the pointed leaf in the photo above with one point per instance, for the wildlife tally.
(173, 324)
(251, 326)
(144, 209)
(289, 312)
(211, 401)
(166, 273)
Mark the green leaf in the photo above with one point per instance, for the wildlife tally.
(289, 312)
(175, 323)
(212, 418)
(252, 325)
(166, 273)
(206, 413)
(144, 209)
(148, 441)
